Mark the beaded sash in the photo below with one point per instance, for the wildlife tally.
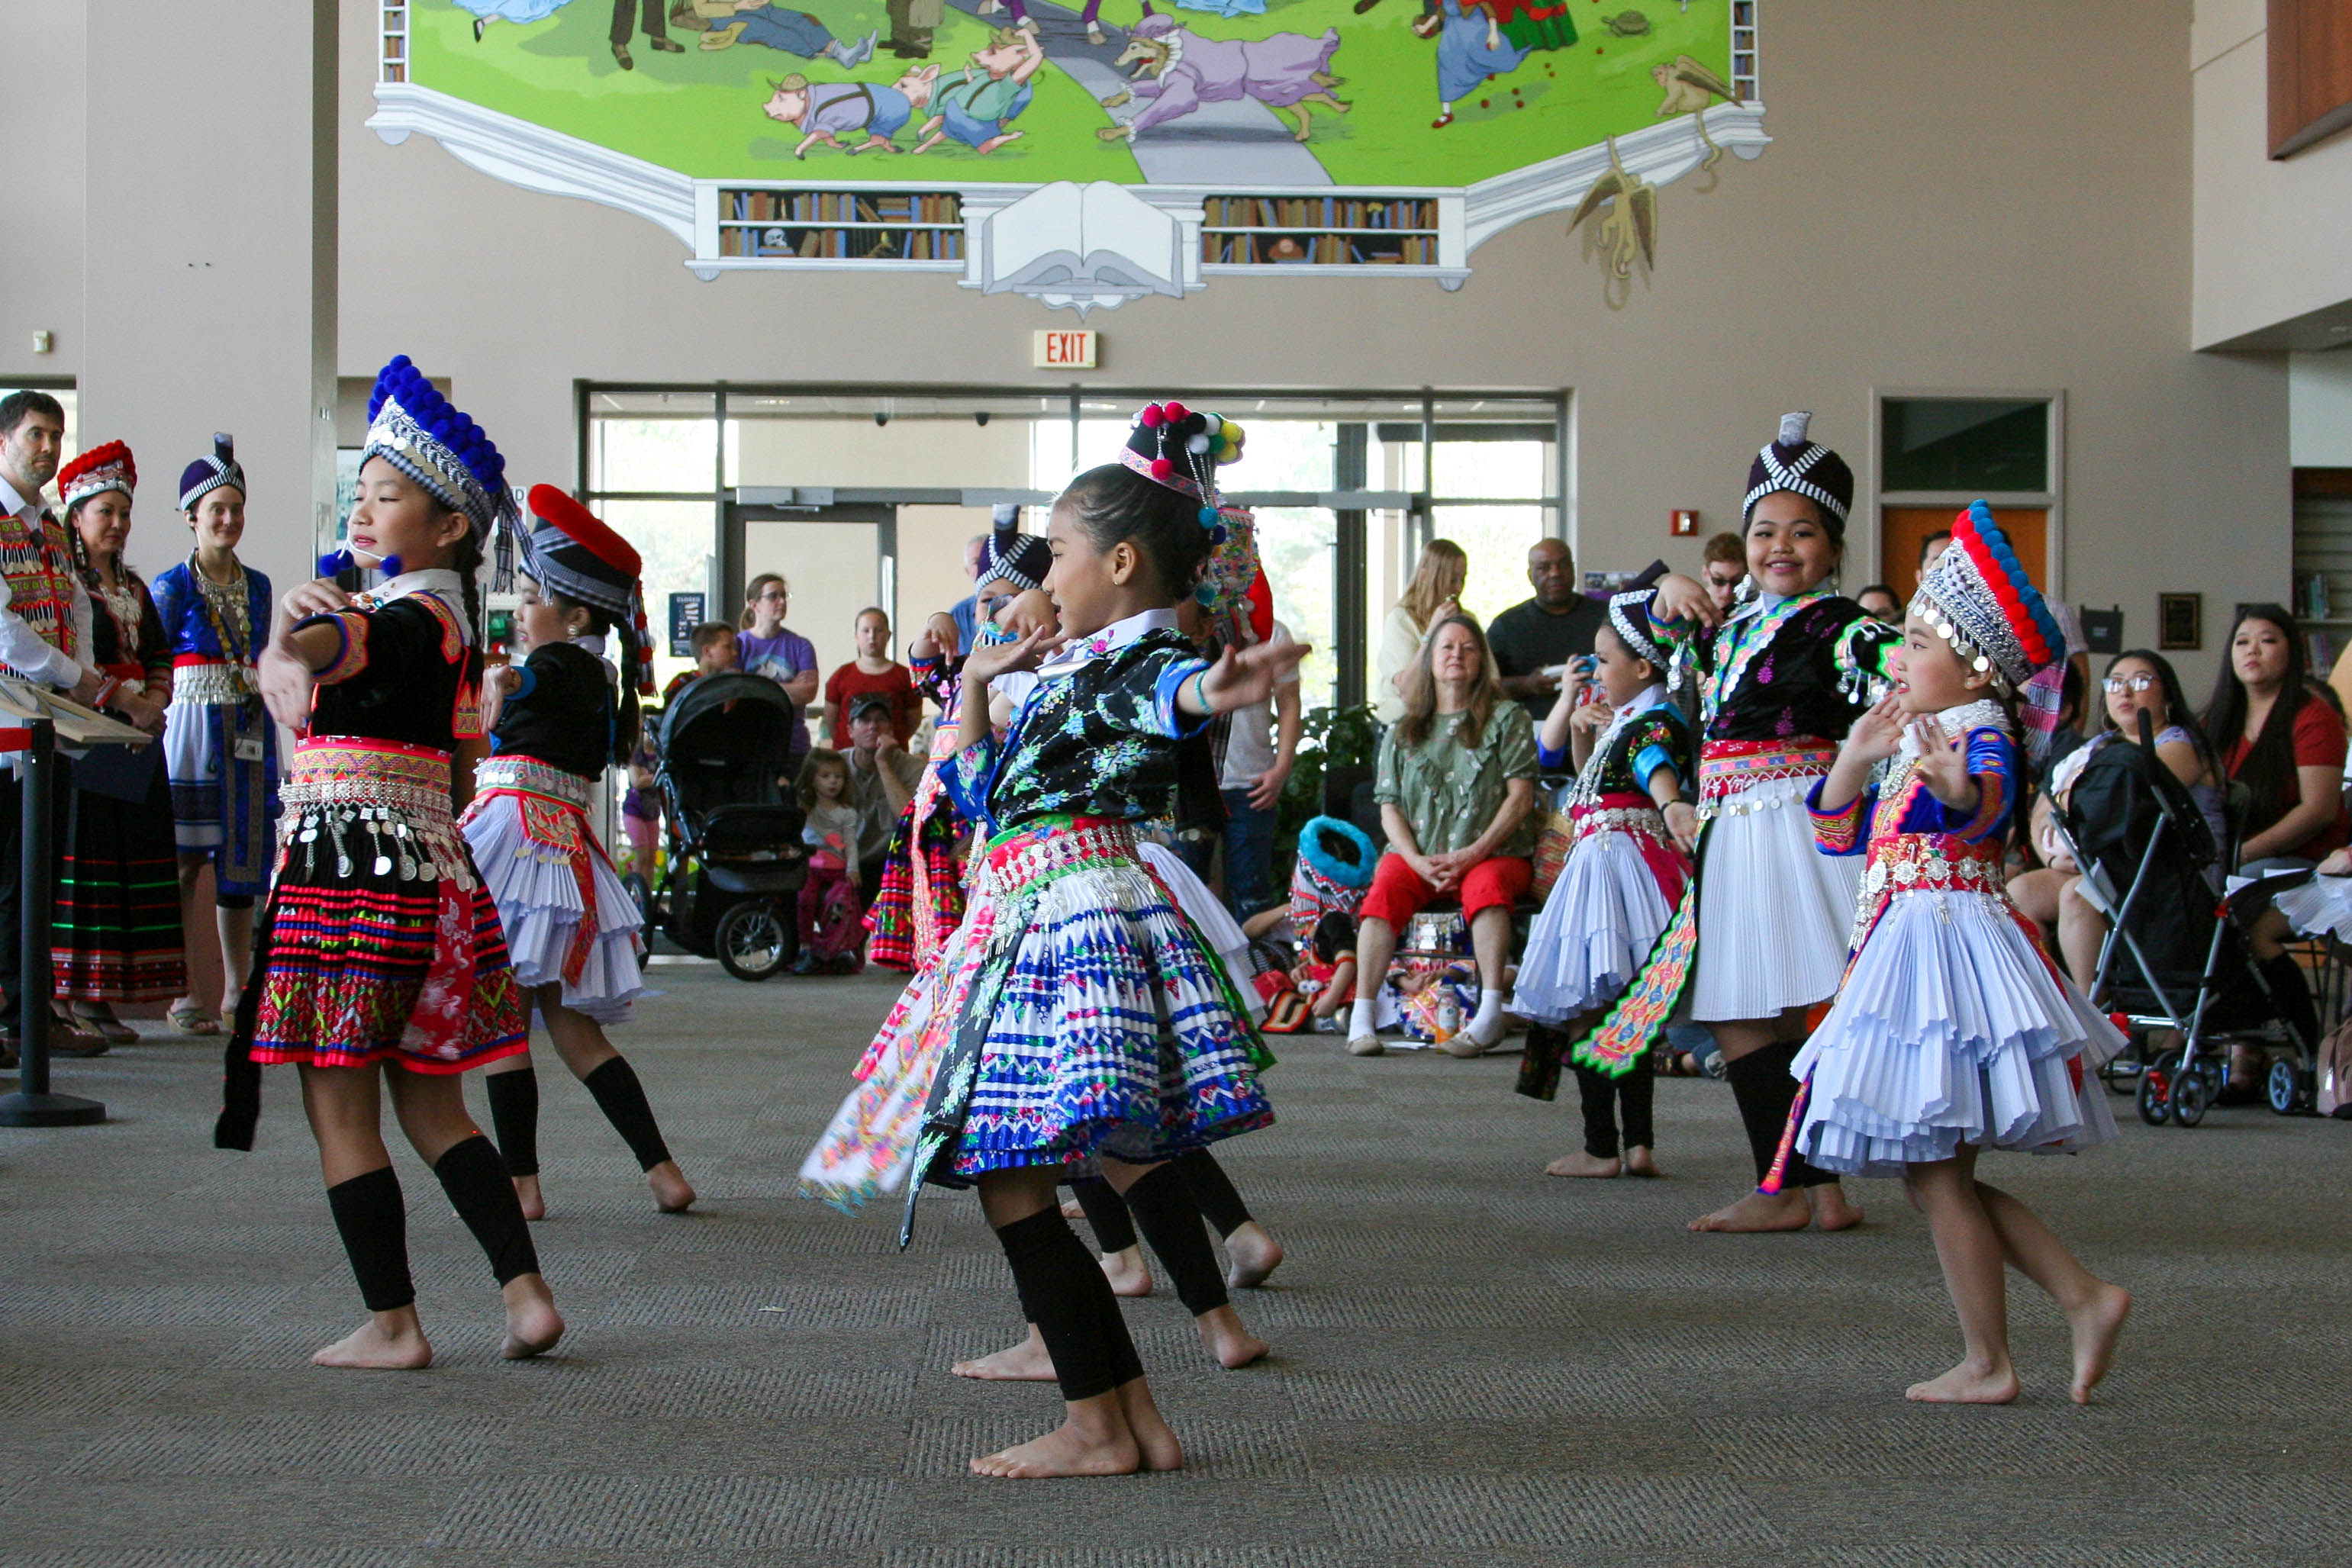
(1618, 812)
(1729, 768)
(383, 799)
(1038, 851)
(1924, 862)
(530, 776)
(207, 682)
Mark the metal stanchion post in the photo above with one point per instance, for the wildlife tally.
(33, 1105)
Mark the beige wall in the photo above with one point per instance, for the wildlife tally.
(41, 270)
(2273, 240)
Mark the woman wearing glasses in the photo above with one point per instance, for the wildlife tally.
(2136, 681)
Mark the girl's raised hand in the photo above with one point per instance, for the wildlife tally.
(940, 637)
(1593, 717)
(320, 597)
(994, 659)
(1943, 767)
(1244, 677)
(1681, 597)
(1877, 733)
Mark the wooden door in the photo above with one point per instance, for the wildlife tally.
(1902, 529)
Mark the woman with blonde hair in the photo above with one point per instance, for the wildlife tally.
(1434, 593)
(1455, 782)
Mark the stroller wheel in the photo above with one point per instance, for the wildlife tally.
(2192, 1092)
(752, 941)
(2155, 1089)
(2284, 1090)
(641, 893)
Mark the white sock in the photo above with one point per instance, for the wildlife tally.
(1360, 1019)
(1487, 1024)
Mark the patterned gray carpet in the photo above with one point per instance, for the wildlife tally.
(1472, 1365)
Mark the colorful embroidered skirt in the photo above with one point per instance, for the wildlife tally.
(920, 899)
(1099, 1021)
(1953, 1027)
(566, 913)
(1623, 878)
(116, 933)
(220, 803)
(383, 944)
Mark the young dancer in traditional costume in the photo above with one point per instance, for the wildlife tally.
(558, 721)
(1759, 935)
(117, 931)
(383, 966)
(1954, 1032)
(219, 746)
(1632, 749)
(1100, 1027)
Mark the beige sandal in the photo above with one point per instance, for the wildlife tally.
(190, 1018)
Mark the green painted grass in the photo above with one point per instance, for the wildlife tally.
(699, 113)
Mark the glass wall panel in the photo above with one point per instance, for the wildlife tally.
(676, 540)
(1965, 443)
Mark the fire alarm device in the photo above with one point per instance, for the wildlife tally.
(1682, 524)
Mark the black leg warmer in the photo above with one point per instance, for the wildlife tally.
(482, 1193)
(1597, 1093)
(2292, 993)
(1214, 1190)
(1637, 1094)
(623, 1100)
(1164, 1211)
(1107, 1214)
(514, 1118)
(374, 1224)
(1063, 1292)
(1760, 1082)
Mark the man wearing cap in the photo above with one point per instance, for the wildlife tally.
(45, 631)
(882, 780)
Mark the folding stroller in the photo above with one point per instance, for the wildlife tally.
(2176, 956)
(736, 861)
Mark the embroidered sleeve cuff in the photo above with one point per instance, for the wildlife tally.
(1838, 832)
(526, 682)
(1173, 721)
(1550, 761)
(967, 776)
(350, 654)
(1648, 761)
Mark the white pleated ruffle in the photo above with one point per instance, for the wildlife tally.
(1599, 922)
(1208, 912)
(1952, 1029)
(1774, 913)
(540, 908)
(2320, 905)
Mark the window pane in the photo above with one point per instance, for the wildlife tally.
(1959, 443)
(1505, 470)
(1295, 545)
(652, 455)
(676, 540)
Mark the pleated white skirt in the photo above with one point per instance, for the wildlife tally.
(1774, 913)
(2322, 905)
(1603, 917)
(1952, 1027)
(537, 891)
(1207, 911)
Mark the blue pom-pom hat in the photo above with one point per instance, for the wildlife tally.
(413, 427)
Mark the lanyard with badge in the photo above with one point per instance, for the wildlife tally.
(245, 740)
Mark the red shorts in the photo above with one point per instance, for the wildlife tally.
(1398, 892)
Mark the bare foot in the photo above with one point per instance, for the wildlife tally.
(1096, 1447)
(1232, 1346)
(1640, 1162)
(533, 1326)
(2096, 1328)
(1073, 1209)
(1128, 1274)
(1832, 1210)
(1152, 1437)
(1251, 1254)
(533, 1201)
(1024, 1362)
(1581, 1164)
(673, 1194)
(1759, 1211)
(388, 1342)
(1968, 1383)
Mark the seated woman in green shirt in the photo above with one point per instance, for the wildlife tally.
(1456, 779)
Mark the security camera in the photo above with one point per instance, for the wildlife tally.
(981, 418)
(881, 416)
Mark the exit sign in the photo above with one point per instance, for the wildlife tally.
(1065, 351)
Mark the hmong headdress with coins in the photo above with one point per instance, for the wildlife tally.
(568, 549)
(1978, 599)
(97, 471)
(1180, 447)
(206, 474)
(1629, 617)
(413, 427)
(1803, 466)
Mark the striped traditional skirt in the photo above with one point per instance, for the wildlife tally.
(115, 936)
(920, 899)
(222, 803)
(383, 944)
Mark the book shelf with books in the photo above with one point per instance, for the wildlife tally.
(772, 226)
(1344, 231)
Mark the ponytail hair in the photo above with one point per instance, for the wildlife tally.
(465, 560)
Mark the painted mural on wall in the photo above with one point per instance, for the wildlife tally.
(1324, 134)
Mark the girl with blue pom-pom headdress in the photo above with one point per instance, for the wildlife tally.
(382, 964)
(1101, 1026)
(1954, 1032)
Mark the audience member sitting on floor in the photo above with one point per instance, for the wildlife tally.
(873, 672)
(1455, 782)
(882, 780)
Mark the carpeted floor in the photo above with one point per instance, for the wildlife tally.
(1472, 1365)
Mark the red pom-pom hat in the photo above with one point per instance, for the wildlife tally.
(99, 469)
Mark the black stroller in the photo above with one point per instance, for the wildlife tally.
(736, 859)
(2176, 956)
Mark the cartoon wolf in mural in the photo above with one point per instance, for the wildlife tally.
(1178, 70)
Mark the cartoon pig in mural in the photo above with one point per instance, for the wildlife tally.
(1179, 70)
(826, 112)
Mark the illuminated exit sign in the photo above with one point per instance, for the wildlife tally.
(1065, 351)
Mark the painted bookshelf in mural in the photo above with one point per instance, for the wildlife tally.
(1081, 156)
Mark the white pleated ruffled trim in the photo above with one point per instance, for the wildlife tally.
(1774, 913)
(1952, 1029)
(1599, 922)
(540, 909)
(1208, 912)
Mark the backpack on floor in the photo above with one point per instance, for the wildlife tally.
(839, 928)
(2334, 1098)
